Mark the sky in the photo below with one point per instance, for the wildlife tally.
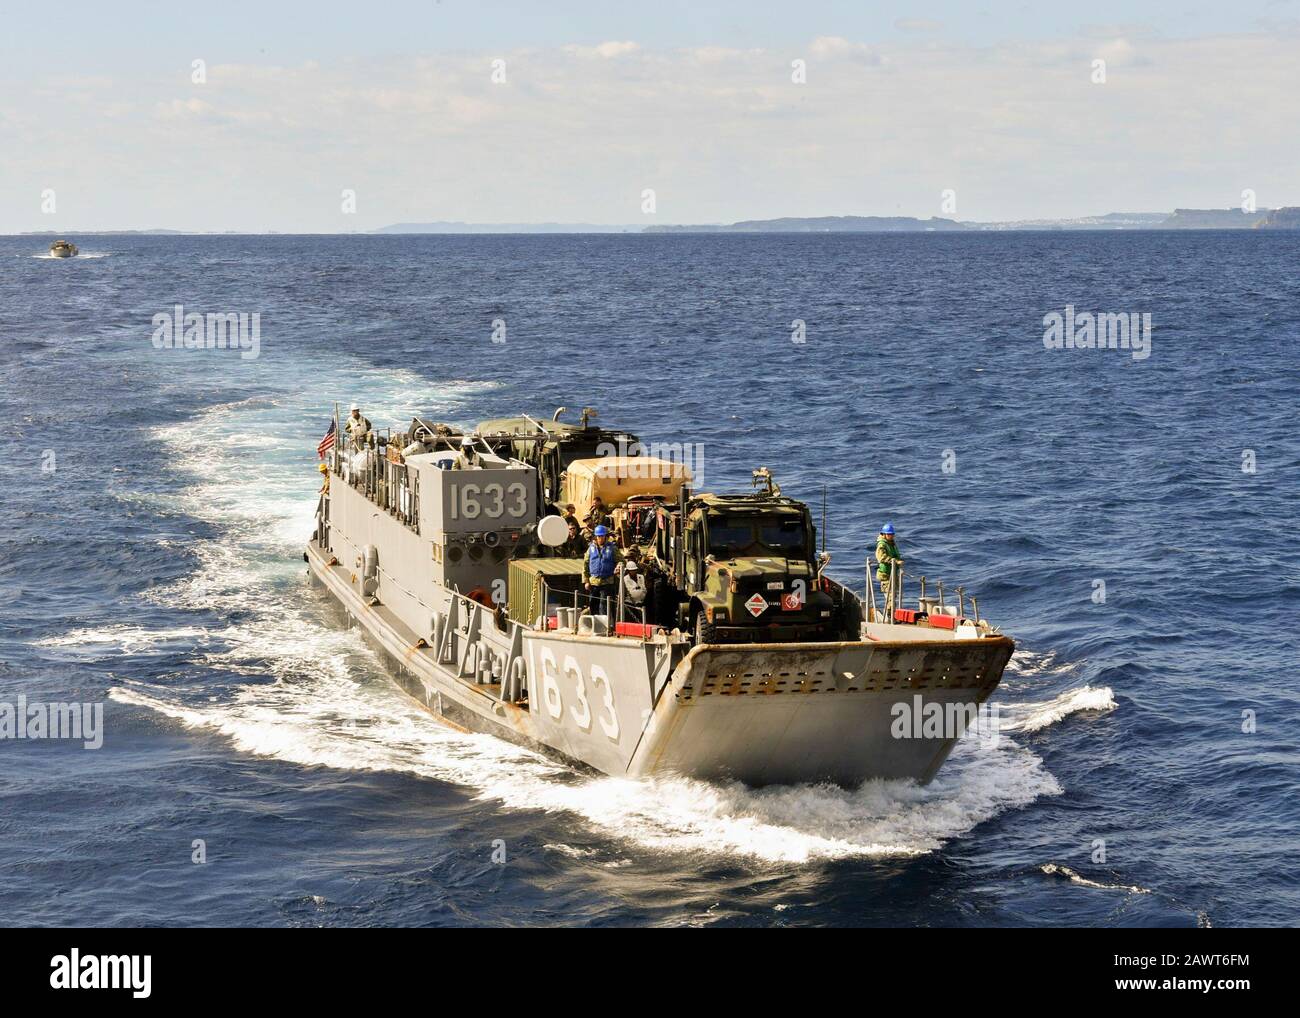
(335, 117)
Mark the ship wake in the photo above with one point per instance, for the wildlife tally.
(335, 721)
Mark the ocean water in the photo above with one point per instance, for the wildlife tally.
(155, 504)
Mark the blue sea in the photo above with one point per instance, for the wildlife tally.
(1131, 521)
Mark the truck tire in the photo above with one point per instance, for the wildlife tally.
(704, 631)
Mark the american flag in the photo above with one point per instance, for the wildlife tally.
(327, 443)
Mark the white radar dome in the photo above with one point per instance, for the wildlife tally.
(552, 531)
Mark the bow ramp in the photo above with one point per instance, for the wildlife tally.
(838, 712)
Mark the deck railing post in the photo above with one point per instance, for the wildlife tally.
(871, 594)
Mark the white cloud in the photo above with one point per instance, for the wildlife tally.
(917, 25)
(829, 46)
(1119, 53)
(604, 50)
(181, 109)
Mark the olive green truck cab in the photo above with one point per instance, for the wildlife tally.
(746, 570)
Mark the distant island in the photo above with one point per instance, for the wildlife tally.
(823, 224)
(1287, 218)
(1179, 219)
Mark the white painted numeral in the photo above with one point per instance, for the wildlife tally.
(610, 727)
(582, 712)
(467, 501)
(469, 507)
(551, 685)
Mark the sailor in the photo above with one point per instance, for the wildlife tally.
(574, 545)
(358, 427)
(649, 524)
(599, 568)
(468, 458)
(324, 479)
(598, 516)
(633, 585)
(886, 558)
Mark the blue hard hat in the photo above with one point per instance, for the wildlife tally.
(601, 531)
(888, 528)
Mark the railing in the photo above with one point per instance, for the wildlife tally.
(894, 593)
(393, 486)
(613, 605)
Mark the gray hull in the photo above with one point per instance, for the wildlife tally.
(784, 714)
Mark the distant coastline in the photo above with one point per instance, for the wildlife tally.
(1286, 218)
(1179, 219)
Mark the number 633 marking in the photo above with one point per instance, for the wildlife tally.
(581, 711)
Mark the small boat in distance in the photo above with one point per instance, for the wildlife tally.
(63, 249)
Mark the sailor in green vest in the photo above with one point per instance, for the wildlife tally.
(886, 558)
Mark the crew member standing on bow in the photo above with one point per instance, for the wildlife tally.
(599, 570)
(886, 558)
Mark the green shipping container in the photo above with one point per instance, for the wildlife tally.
(561, 576)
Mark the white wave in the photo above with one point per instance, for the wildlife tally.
(1056, 870)
(336, 722)
(1032, 664)
(571, 851)
(79, 254)
(126, 639)
(1031, 717)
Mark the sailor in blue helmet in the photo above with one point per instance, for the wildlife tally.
(599, 569)
(886, 558)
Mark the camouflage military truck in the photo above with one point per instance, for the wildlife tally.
(746, 570)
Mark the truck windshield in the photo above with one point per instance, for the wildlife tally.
(784, 536)
(737, 536)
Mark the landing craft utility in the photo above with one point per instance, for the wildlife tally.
(721, 648)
